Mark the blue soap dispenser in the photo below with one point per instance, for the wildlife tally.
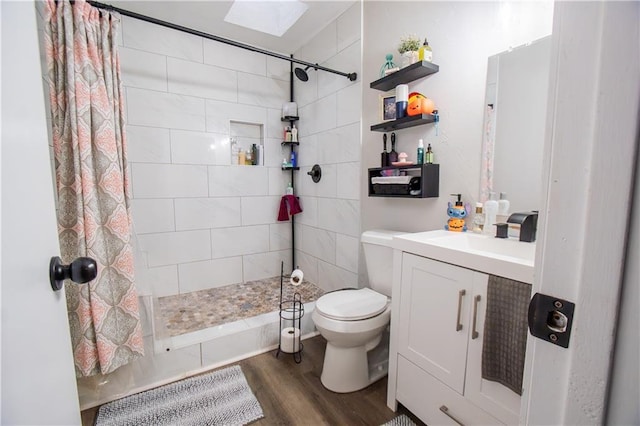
(457, 213)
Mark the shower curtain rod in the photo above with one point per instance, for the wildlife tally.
(351, 76)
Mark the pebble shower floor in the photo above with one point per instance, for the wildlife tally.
(185, 313)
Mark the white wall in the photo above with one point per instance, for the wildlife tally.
(328, 231)
(462, 35)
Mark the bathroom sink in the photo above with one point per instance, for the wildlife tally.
(504, 257)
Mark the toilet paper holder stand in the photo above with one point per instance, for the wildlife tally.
(291, 312)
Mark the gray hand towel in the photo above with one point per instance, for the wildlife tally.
(505, 332)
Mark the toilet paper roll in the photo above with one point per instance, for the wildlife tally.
(296, 277)
(290, 340)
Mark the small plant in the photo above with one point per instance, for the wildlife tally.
(409, 43)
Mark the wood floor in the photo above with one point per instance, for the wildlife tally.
(291, 394)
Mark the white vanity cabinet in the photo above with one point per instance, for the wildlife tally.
(438, 347)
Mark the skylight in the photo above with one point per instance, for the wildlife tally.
(273, 17)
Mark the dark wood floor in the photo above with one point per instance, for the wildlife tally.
(291, 394)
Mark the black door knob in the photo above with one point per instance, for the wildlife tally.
(80, 271)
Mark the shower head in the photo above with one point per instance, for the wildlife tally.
(302, 73)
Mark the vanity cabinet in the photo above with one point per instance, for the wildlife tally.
(439, 347)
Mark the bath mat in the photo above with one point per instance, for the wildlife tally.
(222, 397)
(401, 420)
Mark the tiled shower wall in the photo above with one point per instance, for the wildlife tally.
(328, 231)
(200, 221)
(204, 223)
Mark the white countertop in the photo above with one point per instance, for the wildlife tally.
(507, 257)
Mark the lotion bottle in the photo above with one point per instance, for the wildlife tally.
(490, 212)
(503, 208)
(420, 156)
(503, 204)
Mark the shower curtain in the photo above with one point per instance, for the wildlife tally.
(92, 183)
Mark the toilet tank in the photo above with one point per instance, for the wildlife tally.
(378, 256)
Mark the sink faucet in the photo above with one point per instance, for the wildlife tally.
(528, 222)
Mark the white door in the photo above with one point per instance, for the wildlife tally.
(590, 147)
(38, 379)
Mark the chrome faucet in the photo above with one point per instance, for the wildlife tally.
(528, 222)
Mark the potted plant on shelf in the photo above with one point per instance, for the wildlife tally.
(408, 48)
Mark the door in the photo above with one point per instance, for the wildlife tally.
(590, 151)
(38, 379)
(434, 319)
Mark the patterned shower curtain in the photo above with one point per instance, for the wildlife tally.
(92, 182)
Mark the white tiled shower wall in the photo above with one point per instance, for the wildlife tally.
(328, 231)
(202, 222)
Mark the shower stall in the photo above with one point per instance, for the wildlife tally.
(208, 246)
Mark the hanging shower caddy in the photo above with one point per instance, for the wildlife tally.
(291, 311)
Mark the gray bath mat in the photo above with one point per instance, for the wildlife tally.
(222, 397)
(401, 420)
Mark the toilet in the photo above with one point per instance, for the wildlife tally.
(354, 321)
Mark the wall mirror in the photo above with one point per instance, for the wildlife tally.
(516, 105)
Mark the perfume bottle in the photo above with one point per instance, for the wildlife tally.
(429, 155)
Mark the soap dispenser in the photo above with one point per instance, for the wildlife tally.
(457, 213)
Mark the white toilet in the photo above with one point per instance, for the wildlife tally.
(353, 321)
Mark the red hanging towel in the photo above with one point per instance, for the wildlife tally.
(289, 205)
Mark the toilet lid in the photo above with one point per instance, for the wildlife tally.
(351, 305)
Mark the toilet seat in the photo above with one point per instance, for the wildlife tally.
(352, 304)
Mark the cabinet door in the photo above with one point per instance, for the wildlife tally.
(495, 398)
(434, 317)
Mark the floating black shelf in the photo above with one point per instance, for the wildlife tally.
(283, 143)
(403, 123)
(429, 182)
(405, 75)
(290, 168)
(290, 118)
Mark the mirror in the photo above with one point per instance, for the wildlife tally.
(515, 115)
